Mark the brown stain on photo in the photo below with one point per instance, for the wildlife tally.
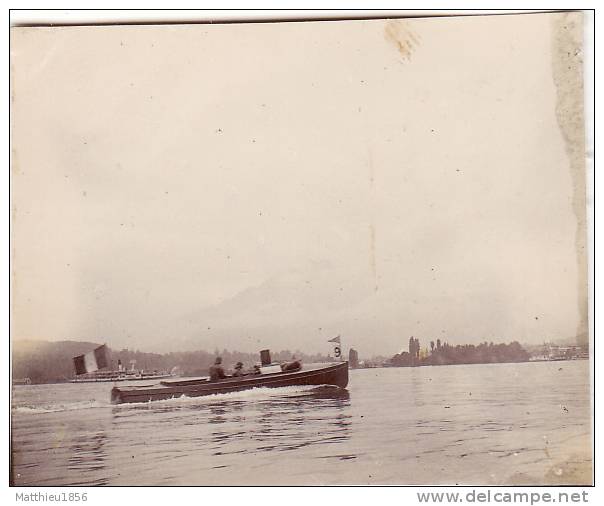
(372, 259)
(398, 33)
(576, 470)
(567, 74)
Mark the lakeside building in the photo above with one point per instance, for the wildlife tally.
(549, 351)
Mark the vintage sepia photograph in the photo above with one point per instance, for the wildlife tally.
(301, 252)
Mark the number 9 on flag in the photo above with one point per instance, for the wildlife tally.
(337, 351)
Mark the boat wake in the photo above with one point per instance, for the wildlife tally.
(60, 407)
(261, 393)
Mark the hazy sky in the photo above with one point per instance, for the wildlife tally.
(274, 185)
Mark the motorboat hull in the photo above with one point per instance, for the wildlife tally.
(323, 374)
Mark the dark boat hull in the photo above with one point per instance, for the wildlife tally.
(327, 374)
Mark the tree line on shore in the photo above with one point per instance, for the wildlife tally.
(445, 354)
(50, 362)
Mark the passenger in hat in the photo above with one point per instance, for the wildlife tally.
(216, 371)
(239, 369)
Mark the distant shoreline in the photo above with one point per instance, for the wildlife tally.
(355, 368)
(381, 366)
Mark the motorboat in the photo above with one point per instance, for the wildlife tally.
(267, 376)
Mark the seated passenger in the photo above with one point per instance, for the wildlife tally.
(216, 371)
(239, 370)
(294, 365)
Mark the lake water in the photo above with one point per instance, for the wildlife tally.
(526, 423)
